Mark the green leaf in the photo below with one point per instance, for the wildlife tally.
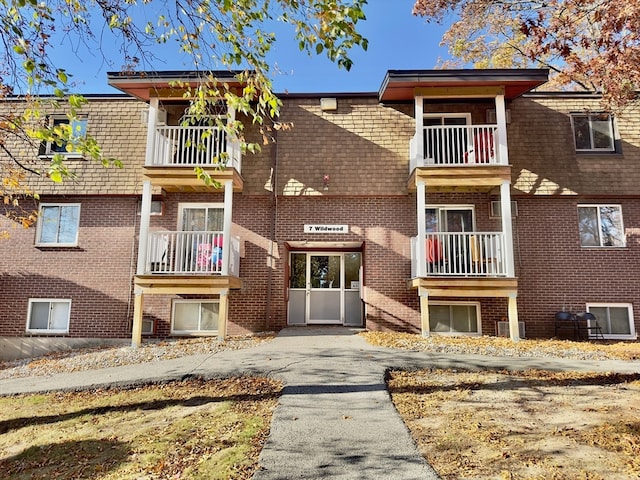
(62, 76)
(55, 177)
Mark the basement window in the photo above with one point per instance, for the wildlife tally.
(195, 317)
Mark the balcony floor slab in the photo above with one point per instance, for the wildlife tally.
(466, 287)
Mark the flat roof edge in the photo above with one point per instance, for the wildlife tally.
(534, 76)
(462, 72)
(161, 75)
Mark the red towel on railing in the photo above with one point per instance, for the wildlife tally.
(483, 146)
(434, 250)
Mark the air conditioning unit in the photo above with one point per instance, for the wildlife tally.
(503, 329)
(147, 326)
(495, 210)
(161, 117)
(492, 119)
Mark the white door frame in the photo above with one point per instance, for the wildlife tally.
(309, 290)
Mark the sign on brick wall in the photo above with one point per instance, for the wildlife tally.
(326, 228)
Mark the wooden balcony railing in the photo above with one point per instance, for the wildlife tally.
(456, 146)
(201, 253)
(465, 254)
(194, 146)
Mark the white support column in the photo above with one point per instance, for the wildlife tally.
(226, 238)
(233, 146)
(143, 234)
(152, 117)
(223, 313)
(138, 309)
(418, 159)
(145, 207)
(501, 119)
(421, 257)
(507, 227)
(424, 311)
(514, 330)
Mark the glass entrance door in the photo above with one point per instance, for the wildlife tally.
(325, 275)
(324, 288)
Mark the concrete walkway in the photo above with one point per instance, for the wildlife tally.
(335, 418)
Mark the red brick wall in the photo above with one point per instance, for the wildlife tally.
(385, 226)
(95, 275)
(555, 272)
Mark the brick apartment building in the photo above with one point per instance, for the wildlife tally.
(449, 202)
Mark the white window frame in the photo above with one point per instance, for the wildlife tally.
(612, 336)
(183, 206)
(598, 206)
(39, 222)
(193, 332)
(58, 119)
(443, 207)
(48, 330)
(592, 148)
(157, 208)
(442, 116)
(460, 334)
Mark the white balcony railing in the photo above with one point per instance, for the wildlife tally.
(459, 254)
(194, 146)
(191, 252)
(456, 146)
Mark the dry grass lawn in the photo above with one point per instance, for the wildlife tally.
(521, 425)
(194, 429)
(485, 345)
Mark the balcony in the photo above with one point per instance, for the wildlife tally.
(468, 254)
(458, 158)
(198, 253)
(176, 150)
(195, 263)
(469, 264)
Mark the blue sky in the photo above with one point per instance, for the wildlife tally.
(397, 40)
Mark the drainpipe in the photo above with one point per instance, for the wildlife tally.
(272, 233)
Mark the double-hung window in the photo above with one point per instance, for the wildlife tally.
(76, 134)
(593, 132)
(615, 319)
(601, 226)
(48, 315)
(58, 224)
